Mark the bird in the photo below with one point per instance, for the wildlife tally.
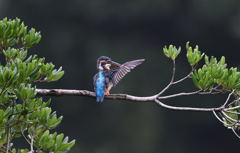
(109, 74)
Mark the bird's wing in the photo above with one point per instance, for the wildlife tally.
(95, 80)
(121, 71)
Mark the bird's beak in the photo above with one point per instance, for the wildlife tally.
(107, 66)
(114, 63)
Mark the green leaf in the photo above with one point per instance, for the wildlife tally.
(171, 52)
(55, 75)
(1, 117)
(66, 145)
(193, 55)
(59, 140)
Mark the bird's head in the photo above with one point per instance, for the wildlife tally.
(105, 63)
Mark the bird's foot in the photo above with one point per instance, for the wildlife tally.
(107, 93)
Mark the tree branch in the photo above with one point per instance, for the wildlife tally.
(215, 114)
(188, 108)
(61, 92)
(180, 94)
(182, 79)
(8, 140)
(31, 145)
(235, 133)
(229, 96)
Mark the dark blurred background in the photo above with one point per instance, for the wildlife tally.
(76, 32)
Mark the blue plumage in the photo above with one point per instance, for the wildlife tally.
(100, 87)
(109, 74)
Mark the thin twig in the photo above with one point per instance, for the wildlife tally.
(224, 123)
(31, 144)
(180, 94)
(235, 133)
(25, 137)
(171, 81)
(234, 101)
(229, 95)
(233, 121)
(237, 113)
(209, 92)
(232, 108)
(215, 114)
(187, 108)
(8, 140)
(229, 125)
(187, 76)
(184, 78)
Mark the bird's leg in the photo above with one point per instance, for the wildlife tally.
(107, 93)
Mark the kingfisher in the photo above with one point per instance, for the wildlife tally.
(109, 74)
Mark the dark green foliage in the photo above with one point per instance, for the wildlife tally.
(22, 113)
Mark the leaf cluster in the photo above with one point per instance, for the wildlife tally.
(212, 73)
(13, 33)
(171, 52)
(22, 113)
(213, 77)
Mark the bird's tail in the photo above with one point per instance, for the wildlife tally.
(99, 99)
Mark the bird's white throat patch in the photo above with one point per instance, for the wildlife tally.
(107, 66)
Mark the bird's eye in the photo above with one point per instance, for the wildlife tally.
(103, 63)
